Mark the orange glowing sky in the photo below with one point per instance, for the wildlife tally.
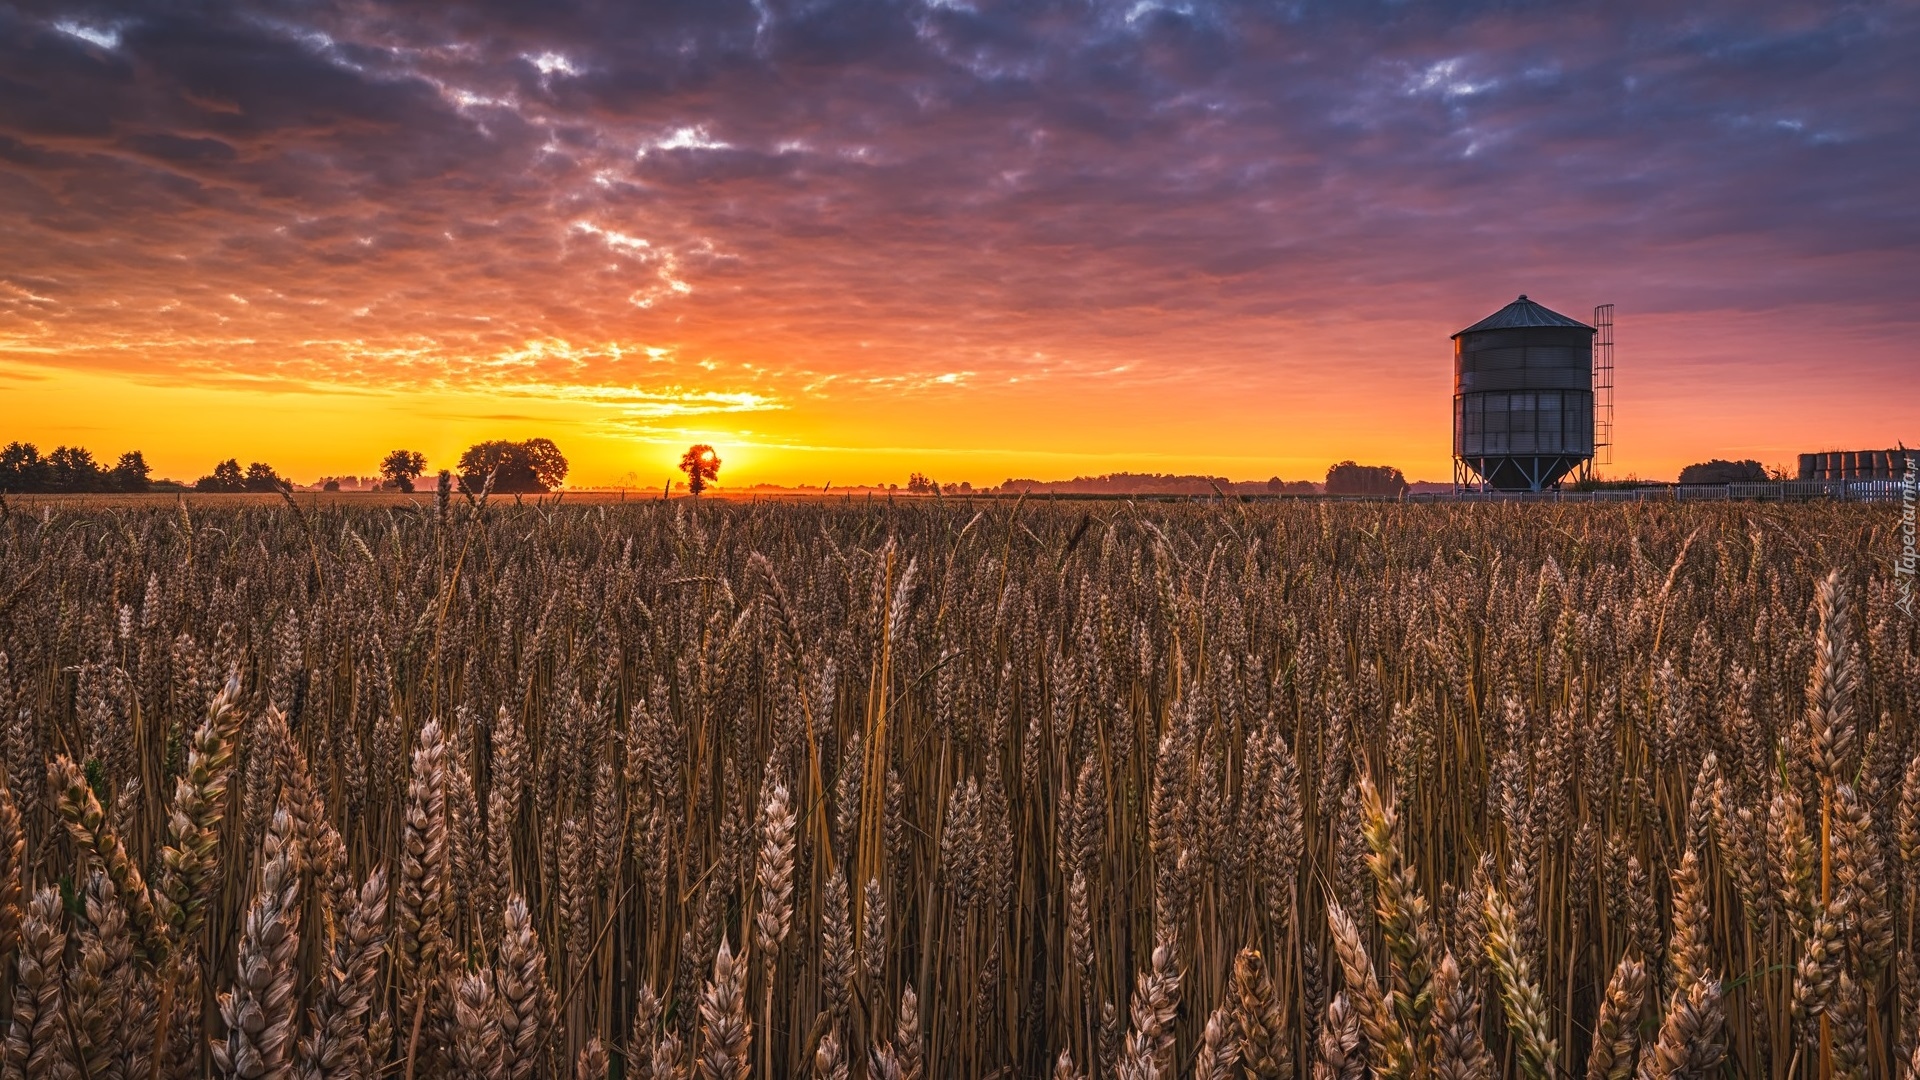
(849, 240)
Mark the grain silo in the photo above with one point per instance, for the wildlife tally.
(1523, 397)
(1857, 464)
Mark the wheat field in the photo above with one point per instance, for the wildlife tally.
(939, 789)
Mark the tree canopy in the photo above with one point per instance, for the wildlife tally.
(226, 477)
(517, 468)
(1721, 471)
(69, 469)
(401, 467)
(701, 465)
(262, 477)
(1347, 478)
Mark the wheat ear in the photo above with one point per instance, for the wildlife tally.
(1617, 1032)
(592, 1064)
(261, 1011)
(725, 1031)
(1526, 1006)
(36, 1037)
(1339, 1053)
(1411, 950)
(1458, 1053)
(1389, 1051)
(1259, 1024)
(190, 859)
(335, 1047)
(1219, 1052)
(829, 1061)
(1688, 1047)
(13, 853)
(87, 823)
(526, 998)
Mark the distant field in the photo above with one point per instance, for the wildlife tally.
(348, 499)
(343, 499)
(362, 499)
(961, 789)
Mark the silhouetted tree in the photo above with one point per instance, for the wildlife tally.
(548, 464)
(701, 465)
(1347, 478)
(226, 477)
(261, 477)
(72, 468)
(505, 462)
(130, 473)
(330, 485)
(22, 468)
(69, 469)
(1719, 471)
(1298, 487)
(400, 467)
(517, 468)
(919, 484)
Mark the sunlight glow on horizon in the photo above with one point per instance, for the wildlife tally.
(628, 437)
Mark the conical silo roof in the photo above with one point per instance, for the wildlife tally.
(1523, 312)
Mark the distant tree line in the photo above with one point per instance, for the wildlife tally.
(1719, 471)
(919, 484)
(1125, 483)
(229, 477)
(69, 469)
(530, 467)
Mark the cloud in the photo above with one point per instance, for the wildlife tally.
(849, 197)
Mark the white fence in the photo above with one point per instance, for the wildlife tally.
(1872, 491)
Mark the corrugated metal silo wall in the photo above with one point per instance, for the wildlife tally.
(1524, 392)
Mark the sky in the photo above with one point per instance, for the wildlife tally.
(842, 240)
